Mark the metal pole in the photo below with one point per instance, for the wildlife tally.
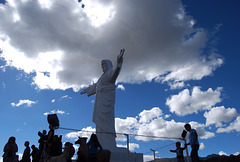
(153, 154)
(186, 149)
(127, 144)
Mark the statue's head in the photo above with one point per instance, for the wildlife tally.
(106, 65)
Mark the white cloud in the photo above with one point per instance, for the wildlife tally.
(155, 126)
(167, 116)
(148, 158)
(98, 13)
(125, 126)
(236, 153)
(222, 153)
(187, 103)
(27, 102)
(188, 72)
(20, 155)
(147, 115)
(86, 132)
(132, 146)
(202, 146)
(53, 100)
(234, 126)
(4, 85)
(120, 86)
(66, 96)
(55, 112)
(159, 38)
(217, 115)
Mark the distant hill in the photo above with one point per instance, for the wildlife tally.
(209, 158)
(222, 158)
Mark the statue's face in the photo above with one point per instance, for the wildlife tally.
(104, 66)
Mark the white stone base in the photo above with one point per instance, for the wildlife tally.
(123, 155)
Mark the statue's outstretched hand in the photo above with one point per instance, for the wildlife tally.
(120, 56)
(83, 91)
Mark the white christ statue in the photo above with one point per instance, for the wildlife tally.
(103, 113)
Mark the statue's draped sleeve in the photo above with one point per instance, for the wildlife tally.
(91, 90)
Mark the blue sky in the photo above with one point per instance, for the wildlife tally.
(180, 66)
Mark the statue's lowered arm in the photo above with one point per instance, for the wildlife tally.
(91, 90)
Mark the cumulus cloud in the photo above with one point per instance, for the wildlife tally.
(202, 133)
(234, 126)
(148, 115)
(217, 115)
(85, 132)
(154, 128)
(55, 112)
(62, 43)
(149, 126)
(27, 102)
(126, 126)
(188, 72)
(186, 102)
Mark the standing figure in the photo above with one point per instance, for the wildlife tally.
(50, 140)
(35, 154)
(26, 153)
(94, 148)
(104, 114)
(193, 141)
(179, 152)
(10, 150)
(42, 144)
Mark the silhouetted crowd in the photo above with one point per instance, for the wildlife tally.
(49, 150)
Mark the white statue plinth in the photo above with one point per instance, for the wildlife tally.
(120, 154)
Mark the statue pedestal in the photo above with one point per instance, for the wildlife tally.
(120, 154)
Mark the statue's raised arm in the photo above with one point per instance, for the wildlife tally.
(119, 65)
(120, 56)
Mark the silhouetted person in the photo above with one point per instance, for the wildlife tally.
(94, 148)
(179, 152)
(10, 150)
(71, 153)
(193, 141)
(43, 139)
(26, 153)
(56, 146)
(49, 140)
(50, 134)
(42, 144)
(35, 154)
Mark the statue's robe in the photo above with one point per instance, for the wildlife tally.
(104, 113)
